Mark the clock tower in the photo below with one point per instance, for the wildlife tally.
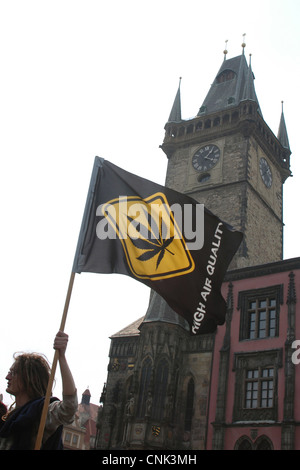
(227, 158)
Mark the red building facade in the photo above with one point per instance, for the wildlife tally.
(255, 379)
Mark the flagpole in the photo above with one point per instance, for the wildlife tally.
(53, 369)
(98, 162)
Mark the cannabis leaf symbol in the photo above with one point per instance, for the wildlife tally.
(152, 242)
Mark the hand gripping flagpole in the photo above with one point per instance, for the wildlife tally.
(76, 268)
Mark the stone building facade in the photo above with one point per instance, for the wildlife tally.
(159, 392)
(154, 373)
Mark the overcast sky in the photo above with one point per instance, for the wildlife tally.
(86, 78)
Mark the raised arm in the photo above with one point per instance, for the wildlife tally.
(60, 344)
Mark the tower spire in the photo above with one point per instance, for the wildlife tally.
(249, 92)
(249, 88)
(243, 43)
(282, 135)
(175, 115)
(225, 52)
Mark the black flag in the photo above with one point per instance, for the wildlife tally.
(160, 237)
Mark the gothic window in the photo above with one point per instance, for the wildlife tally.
(256, 385)
(144, 386)
(173, 132)
(226, 119)
(181, 131)
(189, 405)
(116, 392)
(259, 388)
(160, 389)
(260, 310)
(263, 443)
(262, 318)
(235, 115)
(243, 443)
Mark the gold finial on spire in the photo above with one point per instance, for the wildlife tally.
(244, 44)
(225, 50)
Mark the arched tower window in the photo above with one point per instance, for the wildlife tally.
(160, 389)
(199, 126)
(144, 386)
(189, 405)
(225, 76)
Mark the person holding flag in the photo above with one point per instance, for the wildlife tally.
(28, 380)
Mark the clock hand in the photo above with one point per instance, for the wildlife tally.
(207, 158)
(266, 172)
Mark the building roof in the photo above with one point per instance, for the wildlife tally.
(158, 311)
(234, 83)
(130, 330)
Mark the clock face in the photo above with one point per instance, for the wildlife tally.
(265, 172)
(206, 157)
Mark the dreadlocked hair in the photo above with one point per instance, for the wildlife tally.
(34, 372)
